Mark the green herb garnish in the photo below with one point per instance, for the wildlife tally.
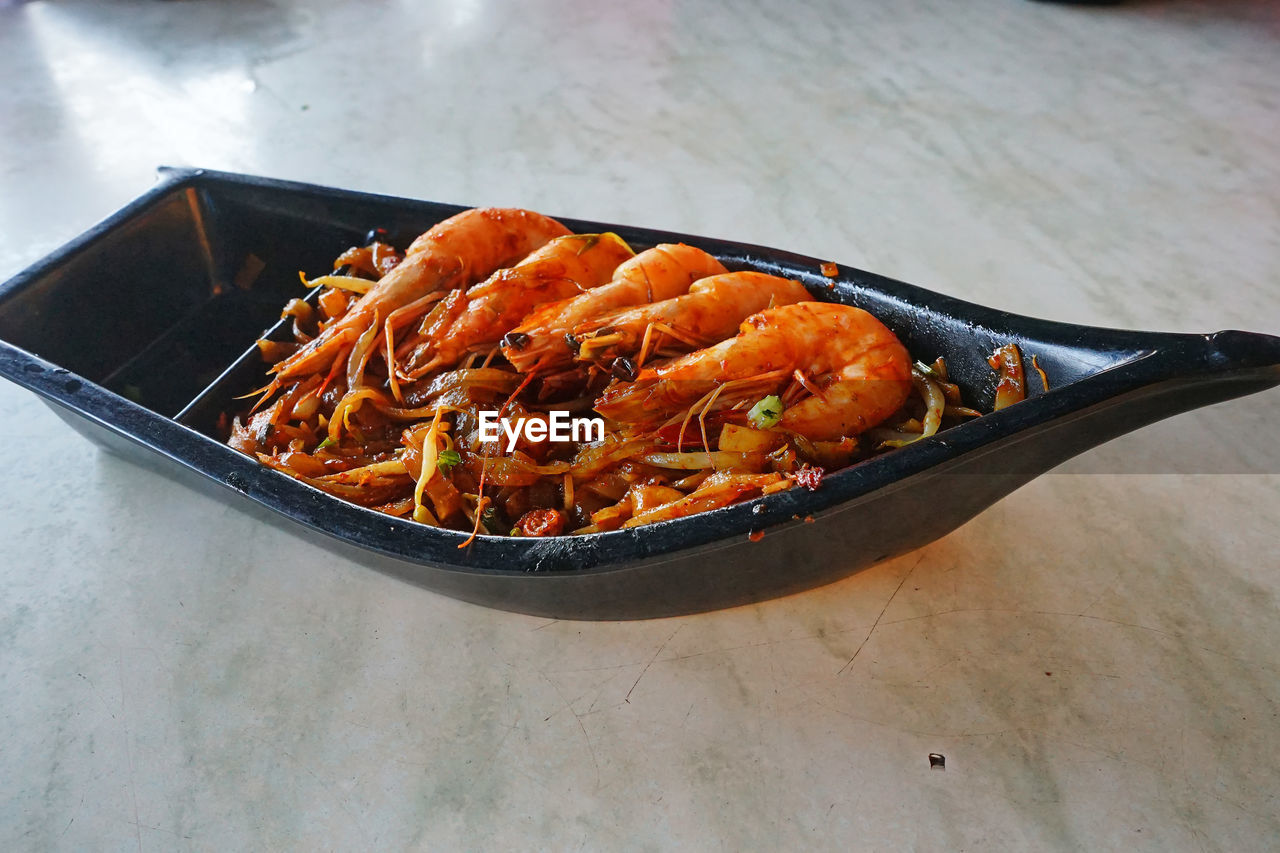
(766, 413)
(322, 445)
(446, 459)
(492, 521)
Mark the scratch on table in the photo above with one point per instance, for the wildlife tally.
(604, 668)
(627, 699)
(874, 625)
(802, 638)
(777, 642)
(1083, 614)
(910, 731)
(483, 767)
(578, 719)
(1075, 616)
(128, 749)
(568, 703)
(599, 688)
(94, 688)
(157, 828)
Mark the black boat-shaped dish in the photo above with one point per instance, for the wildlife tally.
(139, 332)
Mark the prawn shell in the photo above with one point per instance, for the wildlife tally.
(861, 370)
(659, 273)
(485, 313)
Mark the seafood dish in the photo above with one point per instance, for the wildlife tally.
(695, 387)
(140, 334)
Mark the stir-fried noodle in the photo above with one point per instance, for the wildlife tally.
(504, 376)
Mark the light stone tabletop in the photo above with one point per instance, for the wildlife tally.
(1096, 656)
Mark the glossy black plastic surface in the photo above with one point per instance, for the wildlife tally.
(169, 294)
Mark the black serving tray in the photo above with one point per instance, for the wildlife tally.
(139, 332)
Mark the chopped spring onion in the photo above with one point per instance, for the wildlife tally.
(766, 413)
(492, 521)
(446, 459)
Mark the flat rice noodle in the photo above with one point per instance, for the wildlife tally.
(369, 494)
(718, 490)
(592, 459)
(645, 498)
(399, 508)
(697, 460)
(693, 504)
(609, 485)
(612, 517)
(459, 385)
(444, 496)
(509, 471)
(387, 469)
(297, 462)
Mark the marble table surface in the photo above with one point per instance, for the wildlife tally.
(1096, 656)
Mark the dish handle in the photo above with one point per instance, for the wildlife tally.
(1204, 369)
(1175, 374)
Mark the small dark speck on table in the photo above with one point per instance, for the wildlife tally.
(937, 761)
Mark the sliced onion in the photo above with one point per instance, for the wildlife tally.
(390, 468)
(361, 352)
(934, 400)
(342, 282)
(1013, 384)
(697, 460)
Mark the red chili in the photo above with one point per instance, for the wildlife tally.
(541, 522)
(810, 476)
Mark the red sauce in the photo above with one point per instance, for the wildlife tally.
(810, 476)
(541, 522)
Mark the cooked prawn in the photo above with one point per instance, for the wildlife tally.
(538, 344)
(710, 312)
(455, 253)
(479, 317)
(858, 370)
